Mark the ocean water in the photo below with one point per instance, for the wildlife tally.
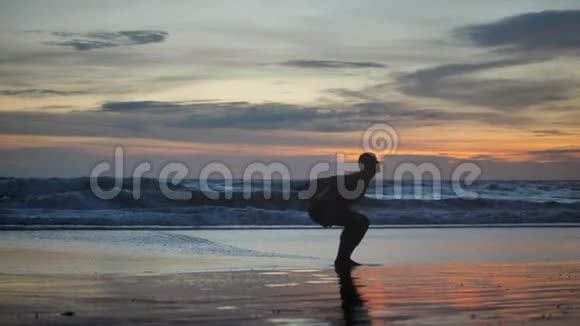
(163, 251)
(70, 202)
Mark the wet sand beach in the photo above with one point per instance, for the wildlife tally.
(478, 294)
(277, 277)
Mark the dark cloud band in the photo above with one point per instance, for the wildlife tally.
(454, 82)
(98, 40)
(264, 116)
(546, 31)
(331, 64)
(39, 92)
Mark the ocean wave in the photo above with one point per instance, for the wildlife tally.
(501, 187)
(397, 212)
(86, 200)
(230, 216)
(71, 202)
(75, 193)
(23, 187)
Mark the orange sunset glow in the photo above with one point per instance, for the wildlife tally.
(451, 85)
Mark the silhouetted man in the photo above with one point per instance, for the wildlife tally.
(332, 202)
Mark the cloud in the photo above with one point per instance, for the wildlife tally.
(331, 64)
(39, 92)
(140, 106)
(202, 121)
(253, 116)
(557, 151)
(483, 157)
(545, 31)
(267, 127)
(453, 82)
(550, 132)
(98, 40)
(405, 115)
(238, 115)
(557, 154)
(268, 116)
(430, 75)
(241, 115)
(528, 38)
(349, 94)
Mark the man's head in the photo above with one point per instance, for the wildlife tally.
(368, 162)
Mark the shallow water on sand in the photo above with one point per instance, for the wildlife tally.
(83, 251)
(479, 294)
(468, 293)
(277, 277)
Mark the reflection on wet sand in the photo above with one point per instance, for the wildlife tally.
(427, 295)
(472, 293)
(353, 308)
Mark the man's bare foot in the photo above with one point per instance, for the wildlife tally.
(345, 264)
(354, 263)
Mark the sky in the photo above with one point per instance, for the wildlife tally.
(490, 82)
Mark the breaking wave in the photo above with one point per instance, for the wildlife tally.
(58, 201)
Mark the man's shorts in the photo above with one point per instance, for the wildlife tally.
(329, 213)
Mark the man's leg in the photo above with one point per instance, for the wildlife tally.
(355, 227)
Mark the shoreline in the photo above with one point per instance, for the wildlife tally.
(303, 268)
(191, 250)
(41, 227)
